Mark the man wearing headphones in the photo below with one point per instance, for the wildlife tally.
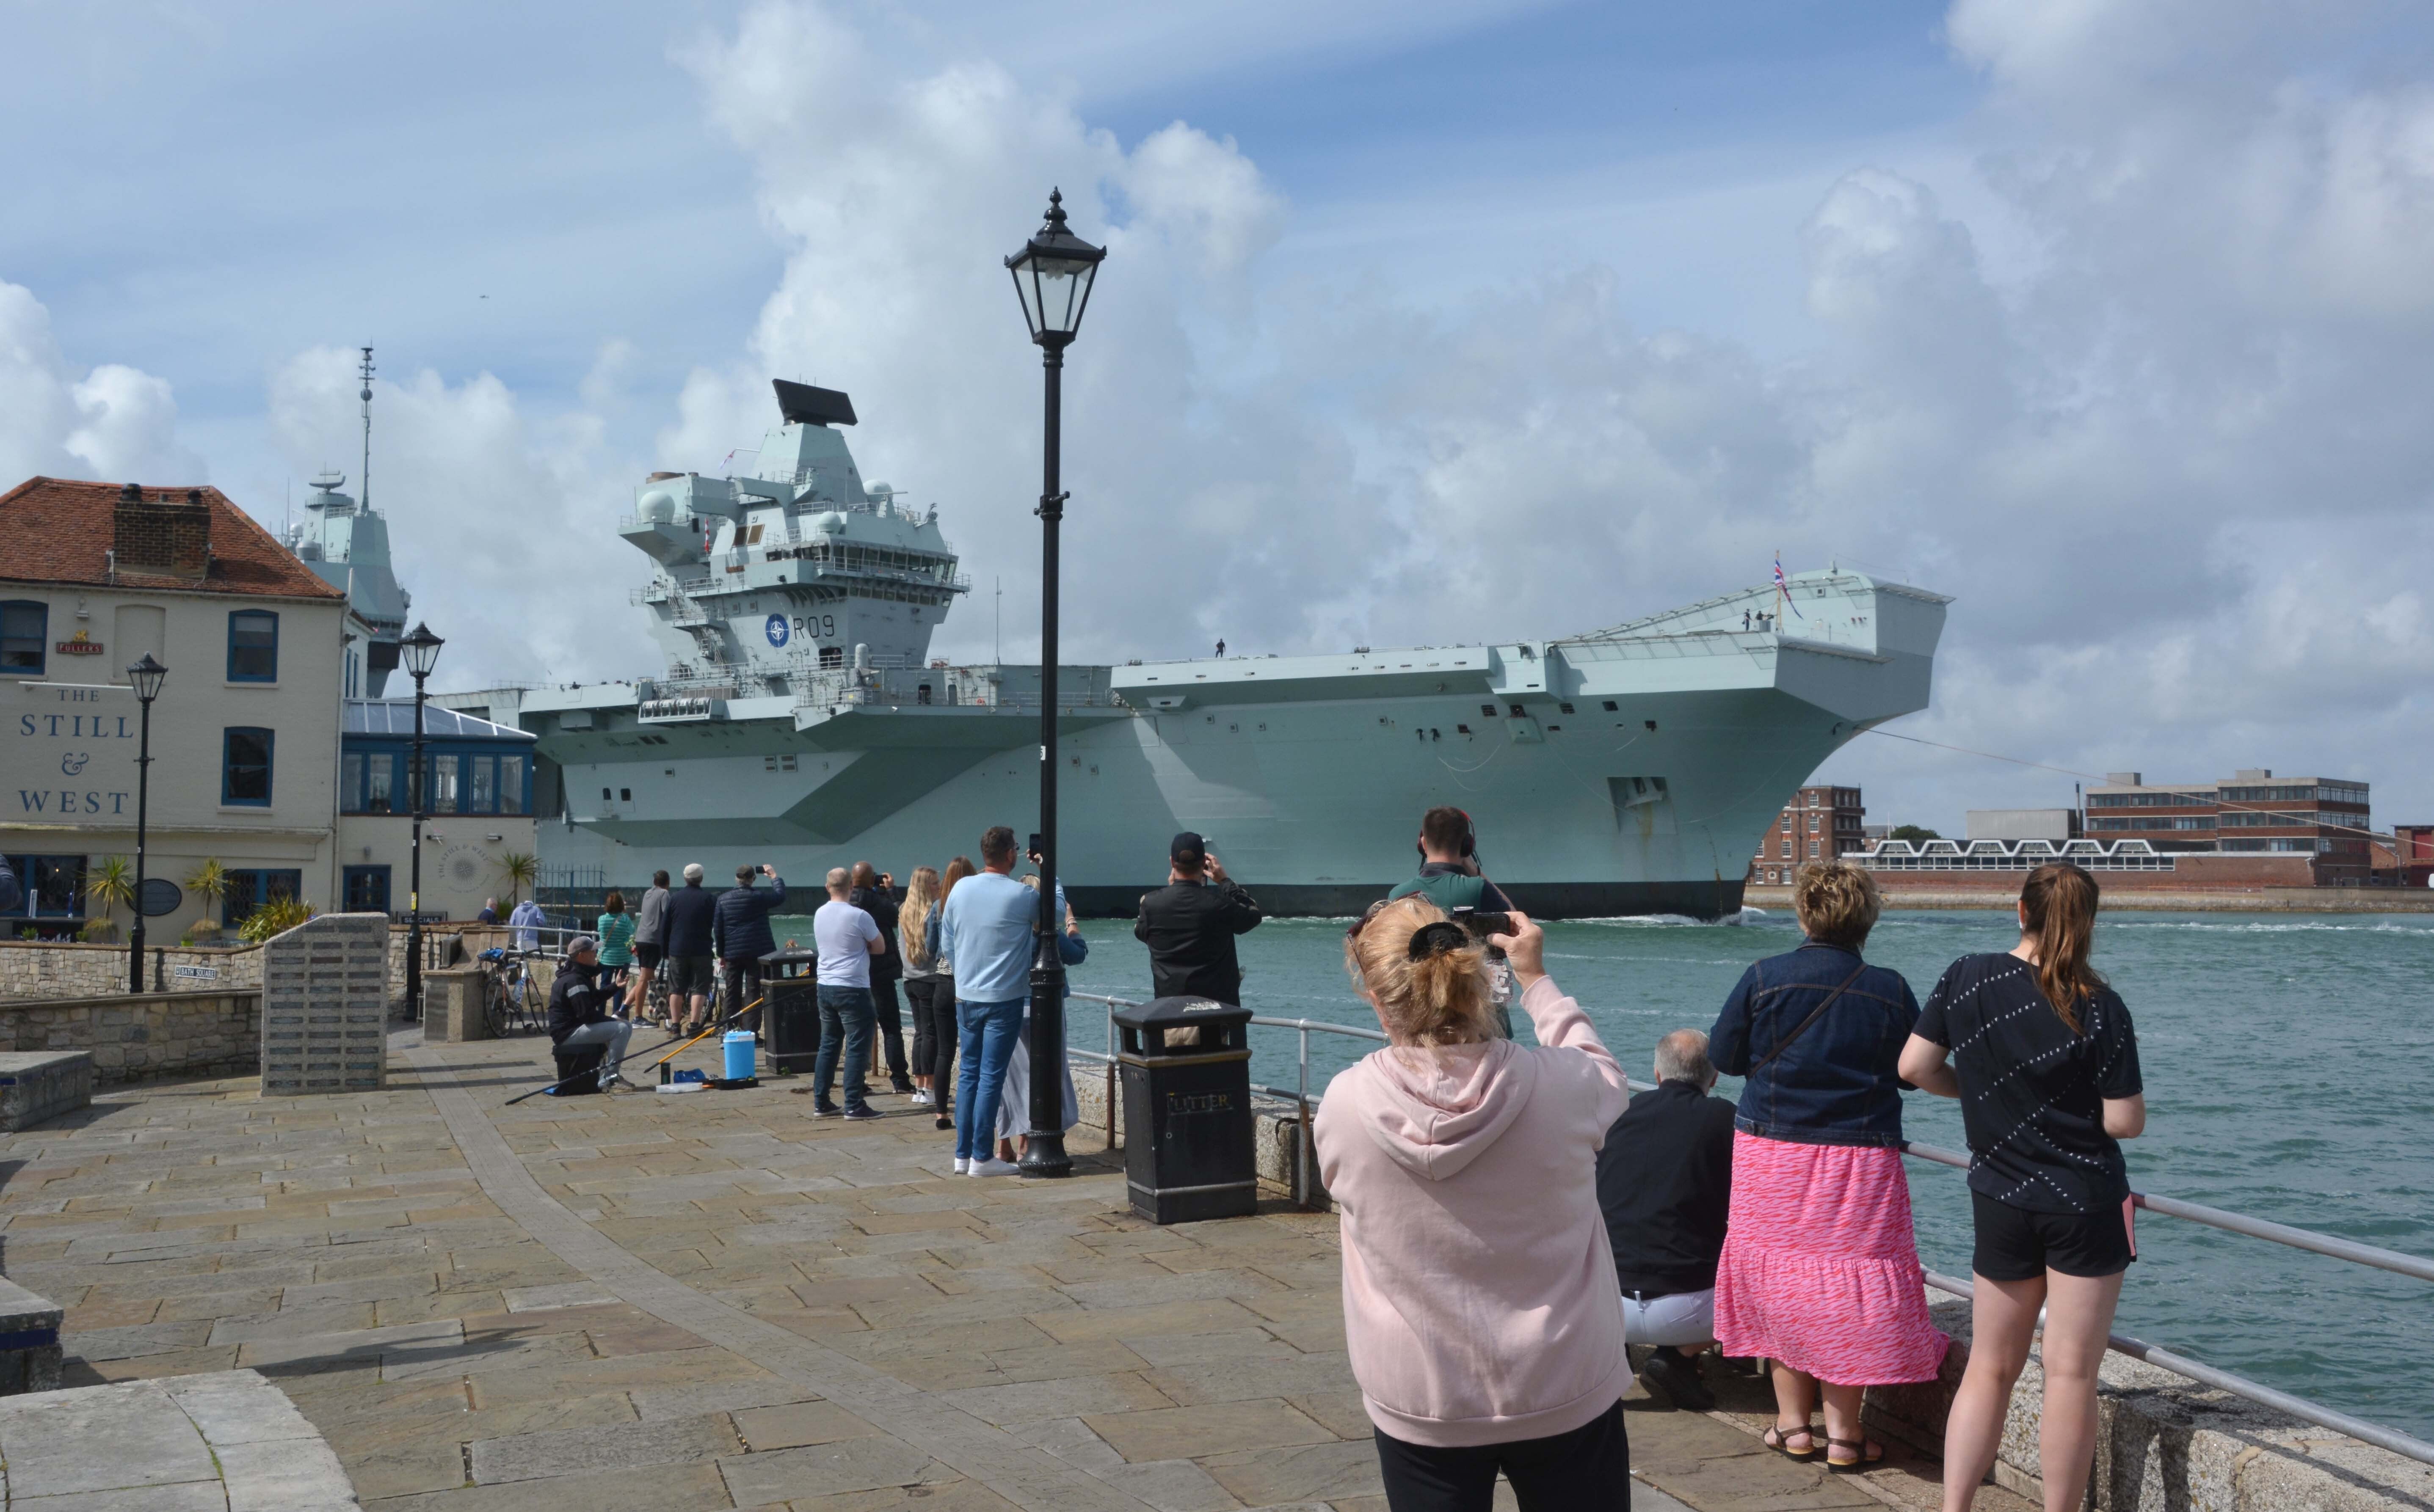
(1450, 875)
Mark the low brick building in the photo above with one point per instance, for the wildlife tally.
(1819, 823)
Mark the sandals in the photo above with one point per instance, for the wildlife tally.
(1864, 1460)
(1778, 1439)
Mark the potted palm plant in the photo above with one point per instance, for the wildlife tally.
(276, 917)
(108, 882)
(522, 871)
(209, 880)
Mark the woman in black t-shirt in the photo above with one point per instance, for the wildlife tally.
(2045, 1064)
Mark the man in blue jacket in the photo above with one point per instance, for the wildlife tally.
(741, 934)
(693, 915)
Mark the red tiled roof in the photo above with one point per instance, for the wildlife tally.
(60, 530)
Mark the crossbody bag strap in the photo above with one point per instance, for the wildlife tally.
(1785, 1044)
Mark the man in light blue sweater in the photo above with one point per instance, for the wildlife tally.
(985, 928)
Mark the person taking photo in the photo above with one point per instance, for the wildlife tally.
(1480, 1305)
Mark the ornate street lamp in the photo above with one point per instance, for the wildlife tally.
(1053, 275)
(144, 677)
(420, 653)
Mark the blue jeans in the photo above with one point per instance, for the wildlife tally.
(846, 1015)
(987, 1033)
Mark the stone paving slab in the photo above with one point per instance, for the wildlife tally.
(716, 1301)
(218, 1441)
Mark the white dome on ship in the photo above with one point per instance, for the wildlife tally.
(658, 506)
(828, 524)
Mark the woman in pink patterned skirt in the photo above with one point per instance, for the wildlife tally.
(1820, 1273)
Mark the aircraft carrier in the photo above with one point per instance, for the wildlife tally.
(802, 721)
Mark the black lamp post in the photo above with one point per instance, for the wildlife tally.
(145, 677)
(421, 653)
(1052, 276)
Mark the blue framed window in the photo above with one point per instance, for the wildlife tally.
(481, 785)
(366, 890)
(54, 886)
(368, 782)
(244, 766)
(24, 637)
(443, 783)
(514, 798)
(253, 646)
(250, 890)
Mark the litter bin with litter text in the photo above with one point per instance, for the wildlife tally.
(790, 1010)
(1186, 1063)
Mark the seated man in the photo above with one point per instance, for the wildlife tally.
(1665, 1179)
(578, 1010)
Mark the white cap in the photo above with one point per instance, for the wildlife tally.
(693, 871)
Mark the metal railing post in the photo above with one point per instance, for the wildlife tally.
(1301, 1143)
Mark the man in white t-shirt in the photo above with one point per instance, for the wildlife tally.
(847, 937)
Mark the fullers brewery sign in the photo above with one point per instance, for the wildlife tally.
(67, 754)
(79, 646)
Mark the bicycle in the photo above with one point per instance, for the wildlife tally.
(507, 994)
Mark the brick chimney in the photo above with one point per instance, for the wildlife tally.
(165, 536)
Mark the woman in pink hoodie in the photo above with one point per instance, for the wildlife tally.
(1480, 1302)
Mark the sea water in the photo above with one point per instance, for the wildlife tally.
(2290, 1069)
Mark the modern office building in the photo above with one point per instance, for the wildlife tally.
(244, 735)
(2024, 824)
(1819, 823)
(2251, 812)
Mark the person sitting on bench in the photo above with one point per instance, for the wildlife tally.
(578, 1010)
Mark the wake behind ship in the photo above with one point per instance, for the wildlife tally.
(802, 721)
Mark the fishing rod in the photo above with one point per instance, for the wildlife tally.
(639, 1054)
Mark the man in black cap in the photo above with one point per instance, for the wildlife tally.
(1189, 926)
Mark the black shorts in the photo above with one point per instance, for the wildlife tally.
(689, 974)
(2015, 1244)
(648, 957)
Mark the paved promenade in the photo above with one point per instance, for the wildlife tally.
(713, 1302)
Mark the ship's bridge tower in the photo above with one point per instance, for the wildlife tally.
(795, 574)
(347, 544)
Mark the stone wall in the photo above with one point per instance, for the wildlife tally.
(32, 968)
(53, 968)
(133, 1037)
(2165, 1443)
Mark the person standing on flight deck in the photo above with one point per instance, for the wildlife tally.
(1449, 876)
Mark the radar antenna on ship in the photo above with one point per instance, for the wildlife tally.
(364, 479)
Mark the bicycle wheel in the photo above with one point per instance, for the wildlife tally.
(494, 1007)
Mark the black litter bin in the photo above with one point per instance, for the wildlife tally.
(1188, 1143)
(790, 1010)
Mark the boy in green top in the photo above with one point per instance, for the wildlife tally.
(1449, 879)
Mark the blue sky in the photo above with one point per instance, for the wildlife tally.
(2105, 316)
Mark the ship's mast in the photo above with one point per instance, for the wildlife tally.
(364, 479)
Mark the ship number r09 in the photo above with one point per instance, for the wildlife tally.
(780, 630)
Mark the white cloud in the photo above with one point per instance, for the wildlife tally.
(112, 423)
(499, 521)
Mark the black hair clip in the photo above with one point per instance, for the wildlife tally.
(1436, 938)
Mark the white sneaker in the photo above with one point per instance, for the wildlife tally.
(993, 1166)
(963, 1166)
(921, 1097)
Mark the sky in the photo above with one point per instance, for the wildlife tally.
(1427, 321)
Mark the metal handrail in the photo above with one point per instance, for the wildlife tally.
(2281, 1233)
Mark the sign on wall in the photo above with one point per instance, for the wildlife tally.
(68, 755)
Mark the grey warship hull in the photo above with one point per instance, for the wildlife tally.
(1630, 771)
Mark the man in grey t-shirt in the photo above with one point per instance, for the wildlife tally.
(847, 938)
(650, 939)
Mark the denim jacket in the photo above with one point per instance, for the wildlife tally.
(1836, 1084)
